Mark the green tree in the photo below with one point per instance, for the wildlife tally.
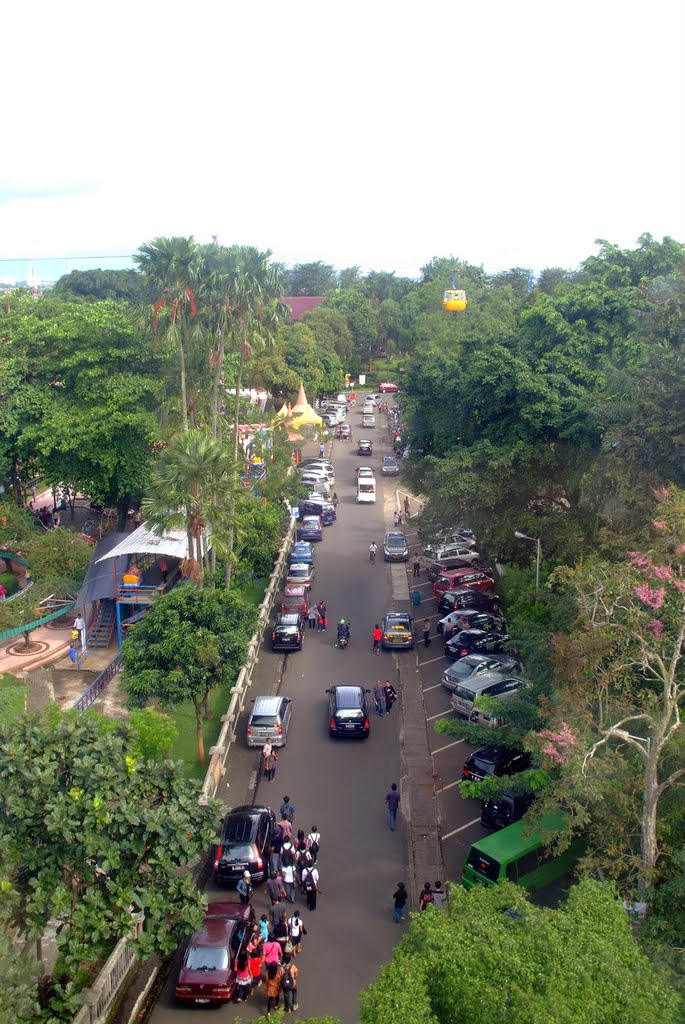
(94, 833)
(526, 964)
(189, 642)
(95, 285)
(312, 278)
(332, 334)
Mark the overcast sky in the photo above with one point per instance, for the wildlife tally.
(370, 133)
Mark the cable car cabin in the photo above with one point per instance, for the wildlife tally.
(454, 300)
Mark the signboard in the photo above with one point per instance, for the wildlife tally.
(362, 379)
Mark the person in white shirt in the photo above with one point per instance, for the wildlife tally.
(80, 625)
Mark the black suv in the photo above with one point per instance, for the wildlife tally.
(244, 845)
(348, 714)
(495, 760)
(481, 641)
(288, 632)
(505, 809)
(466, 597)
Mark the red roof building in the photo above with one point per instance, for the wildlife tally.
(301, 304)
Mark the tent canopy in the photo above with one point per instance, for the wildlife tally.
(143, 541)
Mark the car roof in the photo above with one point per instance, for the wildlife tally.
(347, 696)
(299, 565)
(288, 619)
(389, 458)
(400, 616)
(494, 752)
(396, 535)
(267, 705)
(310, 519)
(295, 590)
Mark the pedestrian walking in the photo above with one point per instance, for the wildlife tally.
(390, 695)
(310, 884)
(244, 888)
(288, 874)
(313, 616)
(426, 633)
(287, 809)
(264, 928)
(286, 827)
(313, 843)
(321, 608)
(270, 762)
(273, 951)
(439, 895)
(280, 931)
(243, 978)
(392, 799)
(426, 896)
(297, 930)
(304, 861)
(254, 956)
(406, 506)
(416, 565)
(322, 449)
(400, 897)
(273, 987)
(289, 984)
(377, 637)
(275, 889)
(80, 625)
(378, 697)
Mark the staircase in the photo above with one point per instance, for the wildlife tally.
(100, 633)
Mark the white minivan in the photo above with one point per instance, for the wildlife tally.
(366, 490)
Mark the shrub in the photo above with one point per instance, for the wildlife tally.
(10, 582)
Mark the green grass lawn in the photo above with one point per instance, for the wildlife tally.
(13, 694)
(185, 747)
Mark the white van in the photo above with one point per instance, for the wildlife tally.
(366, 490)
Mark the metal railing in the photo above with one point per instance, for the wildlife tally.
(99, 684)
(27, 627)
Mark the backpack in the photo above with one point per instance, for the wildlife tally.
(287, 856)
(426, 898)
(287, 980)
(312, 846)
(309, 883)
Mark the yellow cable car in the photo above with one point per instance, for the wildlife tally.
(454, 298)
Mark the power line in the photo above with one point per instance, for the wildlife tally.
(63, 259)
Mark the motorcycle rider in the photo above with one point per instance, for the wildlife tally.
(343, 631)
(373, 550)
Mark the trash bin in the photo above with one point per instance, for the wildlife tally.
(415, 597)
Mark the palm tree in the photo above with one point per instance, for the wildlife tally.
(172, 268)
(192, 487)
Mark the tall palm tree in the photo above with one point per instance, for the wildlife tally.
(193, 483)
(172, 268)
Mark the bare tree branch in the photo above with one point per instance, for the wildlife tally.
(620, 733)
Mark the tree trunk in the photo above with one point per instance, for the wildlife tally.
(650, 806)
(199, 721)
(215, 389)
(182, 368)
(231, 503)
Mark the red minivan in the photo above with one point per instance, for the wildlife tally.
(450, 579)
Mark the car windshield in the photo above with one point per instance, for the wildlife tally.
(463, 669)
(202, 958)
(465, 694)
(349, 713)
(287, 630)
(483, 764)
(264, 721)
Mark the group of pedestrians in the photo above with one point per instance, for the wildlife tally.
(384, 695)
(429, 895)
(317, 614)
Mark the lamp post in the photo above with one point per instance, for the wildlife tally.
(536, 541)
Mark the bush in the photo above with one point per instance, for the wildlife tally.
(10, 582)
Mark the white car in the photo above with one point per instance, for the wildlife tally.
(364, 471)
(369, 420)
(301, 573)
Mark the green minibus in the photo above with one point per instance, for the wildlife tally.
(513, 855)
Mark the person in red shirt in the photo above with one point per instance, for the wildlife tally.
(377, 637)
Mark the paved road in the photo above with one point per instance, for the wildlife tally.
(339, 786)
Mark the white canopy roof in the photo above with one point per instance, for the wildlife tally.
(143, 541)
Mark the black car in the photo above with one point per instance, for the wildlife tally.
(482, 641)
(470, 618)
(244, 845)
(494, 759)
(498, 812)
(466, 597)
(288, 632)
(364, 447)
(395, 548)
(348, 713)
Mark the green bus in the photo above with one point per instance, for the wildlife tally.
(512, 855)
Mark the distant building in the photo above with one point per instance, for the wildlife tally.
(301, 304)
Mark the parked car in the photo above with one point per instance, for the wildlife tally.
(344, 432)
(398, 631)
(364, 446)
(451, 579)
(310, 528)
(244, 844)
(288, 631)
(498, 812)
(295, 599)
(320, 472)
(316, 505)
(364, 471)
(467, 695)
(480, 641)
(348, 713)
(207, 973)
(269, 719)
(302, 551)
(318, 464)
(494, 759)
(300, 572)
(435, 569)
(368, 420)
(395, 547)
(316, 483)
(388, 388)
(390, 466)
(466, 597)
(444, 552)
(469, 618)
(472, 665)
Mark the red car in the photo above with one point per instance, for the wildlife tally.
(388, 388)
(207, 974)
(295, 599)
(449, 579)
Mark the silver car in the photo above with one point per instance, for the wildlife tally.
(269, 720)
(467, 668)
(490, 684)
(390, 466)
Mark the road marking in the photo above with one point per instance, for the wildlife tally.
(461, 828)
(441, 715)
(440, 749)
(430, 661)
(429, 688)
(450, 785)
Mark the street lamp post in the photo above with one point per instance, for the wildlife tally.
(536, 541)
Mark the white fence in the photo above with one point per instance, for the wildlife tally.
(102, 997)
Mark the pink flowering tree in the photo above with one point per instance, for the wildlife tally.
(621, 676)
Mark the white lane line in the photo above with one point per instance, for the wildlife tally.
(429, 688)
(440, 749)
(450, 785)
(430, 662)
(418, 585)
(441, 715)
(448, 835)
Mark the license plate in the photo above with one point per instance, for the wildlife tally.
(238, 867)
(202, 1000)
(350, 726)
